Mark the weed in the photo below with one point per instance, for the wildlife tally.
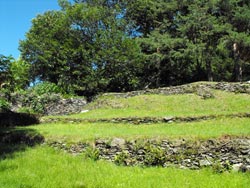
(92, 153)
(155, 156)
(120, 158)
(218, 167)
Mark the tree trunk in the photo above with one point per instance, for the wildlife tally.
(237, 65)
(209, 71)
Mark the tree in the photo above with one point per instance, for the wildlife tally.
(118, 45)
(20, 74)
(184, 39)
(236, 44)
(14, 74)
(5, 63)
(84, 48)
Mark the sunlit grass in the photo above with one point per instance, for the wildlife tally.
(75, 132)
(44, 167)
(160, 106)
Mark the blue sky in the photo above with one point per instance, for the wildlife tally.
(15, 21)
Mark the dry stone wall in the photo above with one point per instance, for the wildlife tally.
(202, 89)
(53, 104)
(144, 120)
(66, 106)
(225, 153)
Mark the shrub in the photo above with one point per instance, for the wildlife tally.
(32, 102)
(4, 105)
(154, 156)
(46, 88)
(120, 158)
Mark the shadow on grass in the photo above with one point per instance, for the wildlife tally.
(15, 138)
(10, 119)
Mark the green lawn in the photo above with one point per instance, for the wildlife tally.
(44, 167)
(89, 131)
(160, 106)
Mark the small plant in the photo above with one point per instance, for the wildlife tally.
(120, 158)
(154, 156)
(218, 167)
(92, 153)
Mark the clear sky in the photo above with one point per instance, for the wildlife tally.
(15, 21)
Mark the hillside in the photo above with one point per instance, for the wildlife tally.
(200, 135)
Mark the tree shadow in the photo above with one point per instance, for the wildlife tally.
(13, 136)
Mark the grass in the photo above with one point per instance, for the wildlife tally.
(89, 131)
(161, 106)
(44, 167)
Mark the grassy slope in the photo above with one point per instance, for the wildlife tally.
(161, 106)
(43, 167)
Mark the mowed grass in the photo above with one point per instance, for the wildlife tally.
(76, 132)
(44, 167)
(161, 106)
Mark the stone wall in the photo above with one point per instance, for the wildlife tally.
(224, 153)
(144, 120)
(54, 104)
(201, 89)
(66, 106)
(47, 104)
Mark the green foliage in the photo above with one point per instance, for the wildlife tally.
(121, 158)
(4, 105)
(217, 167)
(46, 88)
(26, 110)
(37, 103)
(91, 51)
(20, 70)
(97, 46)
(192, 40)
(5, 63)
(34, 100)
(15, 74)
(92, 153)
(154, 156)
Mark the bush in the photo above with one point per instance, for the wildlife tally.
(154, 156)
(120, 158)
(46, 88)
(32, 102)
(4, 105)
